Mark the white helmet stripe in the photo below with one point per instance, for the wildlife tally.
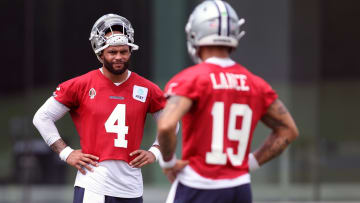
(219, 32)
(228, 21)
(223, 18)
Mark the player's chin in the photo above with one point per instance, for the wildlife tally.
(119, 69)
(118, 66)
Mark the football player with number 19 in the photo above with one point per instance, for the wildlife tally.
(108, 107)
(220, 103)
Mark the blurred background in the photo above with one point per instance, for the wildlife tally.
(307, 50)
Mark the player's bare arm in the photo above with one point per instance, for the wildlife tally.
(284, 132)
(175, 108)
(58, 146)
(76, 158)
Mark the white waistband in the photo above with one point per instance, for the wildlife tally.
(192, 179)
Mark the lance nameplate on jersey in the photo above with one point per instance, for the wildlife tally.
(229, 81)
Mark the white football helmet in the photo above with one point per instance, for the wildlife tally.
(213, 22)
(109, 23)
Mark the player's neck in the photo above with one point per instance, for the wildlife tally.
(113, 77)
(213, 51)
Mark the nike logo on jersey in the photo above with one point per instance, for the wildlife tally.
(140, 93)
(229, 81)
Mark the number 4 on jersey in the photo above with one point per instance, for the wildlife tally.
(118, 115)
(217, 155)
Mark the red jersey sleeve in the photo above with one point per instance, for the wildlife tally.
(157, 100)
(185, 84)
(67, 93)
(269, 95)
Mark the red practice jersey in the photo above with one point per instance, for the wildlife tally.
(109, 119)
(227, 105)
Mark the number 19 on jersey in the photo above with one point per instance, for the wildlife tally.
(217, 155)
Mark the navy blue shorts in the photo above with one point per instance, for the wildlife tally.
(79, 197)
(239, 194)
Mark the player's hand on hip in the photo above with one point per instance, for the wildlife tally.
(81, 161)
(143, 157)
(171, 173)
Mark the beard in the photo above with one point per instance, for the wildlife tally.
(110, 67)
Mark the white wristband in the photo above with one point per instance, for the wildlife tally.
(253, 163)
(155, 151)
(65, 153)
(167, 164)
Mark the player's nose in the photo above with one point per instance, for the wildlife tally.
(118, 55)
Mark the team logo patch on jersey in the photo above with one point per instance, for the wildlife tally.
(92, 93)
(140, 93)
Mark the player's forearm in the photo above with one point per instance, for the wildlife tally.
(174, 110)
(58, 146)
(167, 132)
(274, 145)
(156, 116)
(284, 132)
(167, 141)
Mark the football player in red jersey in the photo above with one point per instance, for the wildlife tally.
(220, 103)
(108, 107)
